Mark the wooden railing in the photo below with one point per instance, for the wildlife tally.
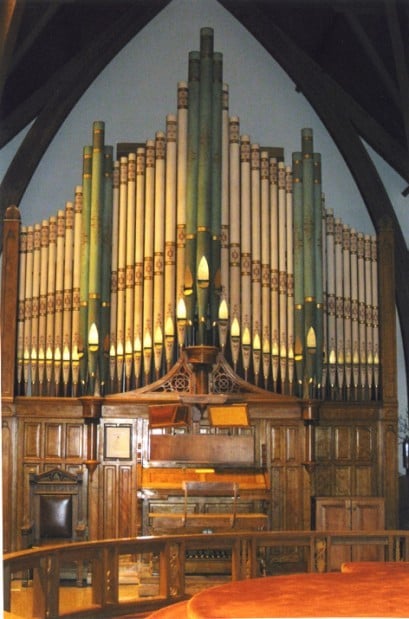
(42, 567)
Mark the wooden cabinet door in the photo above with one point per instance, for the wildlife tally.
(351, 514)
(367, 514)
(334, 514)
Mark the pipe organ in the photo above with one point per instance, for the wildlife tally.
(195, 220)
(200, 240)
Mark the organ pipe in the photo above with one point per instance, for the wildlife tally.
(85, 253)
(191, 188)
(128, 334)
(170, 238)
(216, 190)
(106, 259)
(274, 274)
(181, 180)
(42, 319)
(76, 282)
(139, 263)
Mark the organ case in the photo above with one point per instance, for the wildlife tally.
(226, 279)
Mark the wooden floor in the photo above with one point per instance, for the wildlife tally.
(72, 597)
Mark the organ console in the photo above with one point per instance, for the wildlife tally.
(198, 269)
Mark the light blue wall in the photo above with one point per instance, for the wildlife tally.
(138, 88)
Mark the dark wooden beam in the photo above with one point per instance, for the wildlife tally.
(35, 32)
(400, 62)
(369, 48)
(26, 112)
(10, 17)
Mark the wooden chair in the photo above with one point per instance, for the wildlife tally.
(55, 511)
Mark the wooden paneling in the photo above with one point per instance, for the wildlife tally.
(117, 504)
(347, 458)
(367, 513)
(202, 448)
(74, 440)
(292, 444)
(365, 446)
(323, 479)
(286, 443)
(332, 514)
(287, 477)
(32, 436)
(7, 477)
(322, 443)
(52, 440)
(109, 509)
(364, 480)
(126, 490)
(8, 318)
(342, 443)
(348, 445)
(53, 444)
(343, 480)
(387, 467)
(113, 495)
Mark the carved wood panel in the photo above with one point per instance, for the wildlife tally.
(388, 469)
(343, 443)
(126, 491)
(74, 441)
(365, 446)
(287, 477)
(285, 444)
(7, 478)
(117, 500)
(109, 501)
(365, 480)
(53, 441)
(32, 439)
(346, 459)
(117, 480)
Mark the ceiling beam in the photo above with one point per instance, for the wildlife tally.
(10, 18)
(370, 50)
(400, 62)
(35, 32)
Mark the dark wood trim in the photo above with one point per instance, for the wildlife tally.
(401, 67)
(9, 287)
(10, 17)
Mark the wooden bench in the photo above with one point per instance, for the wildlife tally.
(205, 507)
(202, 494)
